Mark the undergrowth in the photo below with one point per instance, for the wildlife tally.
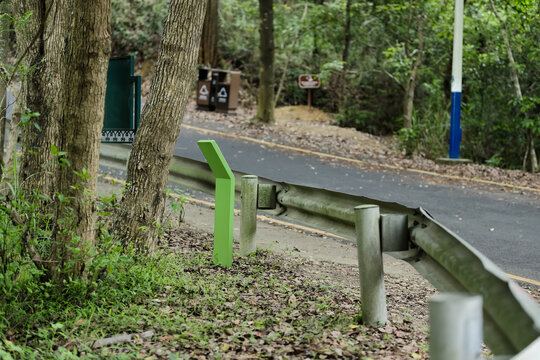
(184, 298)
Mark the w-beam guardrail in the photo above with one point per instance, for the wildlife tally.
(511, 317)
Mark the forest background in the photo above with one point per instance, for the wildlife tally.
(369, 52)
(67, 255)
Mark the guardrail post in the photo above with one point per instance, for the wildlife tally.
(370, 264)
(455, 326)
(248, 214)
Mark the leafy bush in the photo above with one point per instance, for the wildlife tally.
(137, 26)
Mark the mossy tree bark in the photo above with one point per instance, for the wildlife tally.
(265, 106)
(69, 45)
(209, 38)
(138, 218)
(40, 48)
(80, 120)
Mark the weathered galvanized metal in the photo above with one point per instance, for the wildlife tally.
(511, 317)
(370, 265)
(266, 196)
(455, 323)
(395, 232)
(248, 214)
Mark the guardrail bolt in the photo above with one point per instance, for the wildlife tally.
(370, 265)
(455, 322)
(248, 214)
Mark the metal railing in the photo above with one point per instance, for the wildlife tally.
(511, 317)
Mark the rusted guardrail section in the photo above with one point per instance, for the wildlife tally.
(511, 317)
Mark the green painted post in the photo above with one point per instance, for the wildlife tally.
(224, 214)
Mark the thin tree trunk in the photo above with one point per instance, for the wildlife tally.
(347, 32)
(408, 101)
(209, 37)
(138, 218)
(265, 106)
(345, 58)
(4, 44)
(517, 87)
(289, 55)
(11, 147)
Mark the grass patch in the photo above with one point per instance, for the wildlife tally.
(265, 305)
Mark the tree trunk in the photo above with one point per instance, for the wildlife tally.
(265, 106)
(4, 45)
(345, 58)
(138, 218)
(209, 37)
(81, 111)
(347, 33)
(517, 87)
(41, 47)
(410, 85)
(69, 45)
(289, 55)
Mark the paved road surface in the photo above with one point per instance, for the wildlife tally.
(503, 226)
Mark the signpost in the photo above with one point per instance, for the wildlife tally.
(457, 61)
(309, 81)
(224, 213)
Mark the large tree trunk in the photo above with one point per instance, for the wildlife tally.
(69, 44)
(265, 106)
(41, 47)
(85, 63)
(209, 37)
(138, 218)
(410, 85)
(517, 87)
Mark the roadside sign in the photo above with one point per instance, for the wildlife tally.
(309, 81)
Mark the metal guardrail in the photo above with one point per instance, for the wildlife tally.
(511, 317)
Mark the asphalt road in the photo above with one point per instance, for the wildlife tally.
(503, 226)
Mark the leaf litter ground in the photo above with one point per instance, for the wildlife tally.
(269, 306)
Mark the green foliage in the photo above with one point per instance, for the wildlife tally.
(368, 91)
(137, 26)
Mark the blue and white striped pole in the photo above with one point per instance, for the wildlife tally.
(457, 63)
